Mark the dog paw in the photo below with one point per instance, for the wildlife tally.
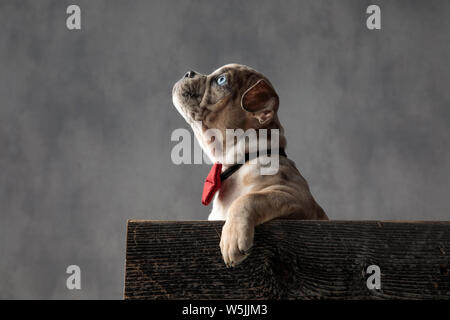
(236, 240)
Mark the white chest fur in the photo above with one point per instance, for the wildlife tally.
(231, 189)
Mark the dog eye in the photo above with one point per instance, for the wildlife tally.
(221, 80)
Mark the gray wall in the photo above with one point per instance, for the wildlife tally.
(86, 118)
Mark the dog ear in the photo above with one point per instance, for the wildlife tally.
(261, 100)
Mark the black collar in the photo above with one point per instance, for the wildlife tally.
(248, 156)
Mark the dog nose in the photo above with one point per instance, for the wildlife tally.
(190, 74)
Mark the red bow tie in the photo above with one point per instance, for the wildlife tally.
(212, 183)
(215, 177)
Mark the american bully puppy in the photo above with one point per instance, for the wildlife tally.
(238, 97)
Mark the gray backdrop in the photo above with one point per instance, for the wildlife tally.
(86, 118)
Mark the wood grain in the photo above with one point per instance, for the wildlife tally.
(291, 259)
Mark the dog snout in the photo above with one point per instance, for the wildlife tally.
(190, 74)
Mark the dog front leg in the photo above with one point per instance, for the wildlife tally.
(237, 232)
(244, 214)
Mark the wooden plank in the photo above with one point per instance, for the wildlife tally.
(291, 259)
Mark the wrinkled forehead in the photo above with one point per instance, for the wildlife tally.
(234, 68)
(238, 73)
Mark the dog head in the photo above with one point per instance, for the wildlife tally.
(232, 97)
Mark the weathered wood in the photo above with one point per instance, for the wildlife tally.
(291, 259)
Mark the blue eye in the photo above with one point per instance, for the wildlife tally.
(221, 80)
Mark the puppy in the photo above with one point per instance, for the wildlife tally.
(238, 97)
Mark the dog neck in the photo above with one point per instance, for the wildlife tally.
(229, 147)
